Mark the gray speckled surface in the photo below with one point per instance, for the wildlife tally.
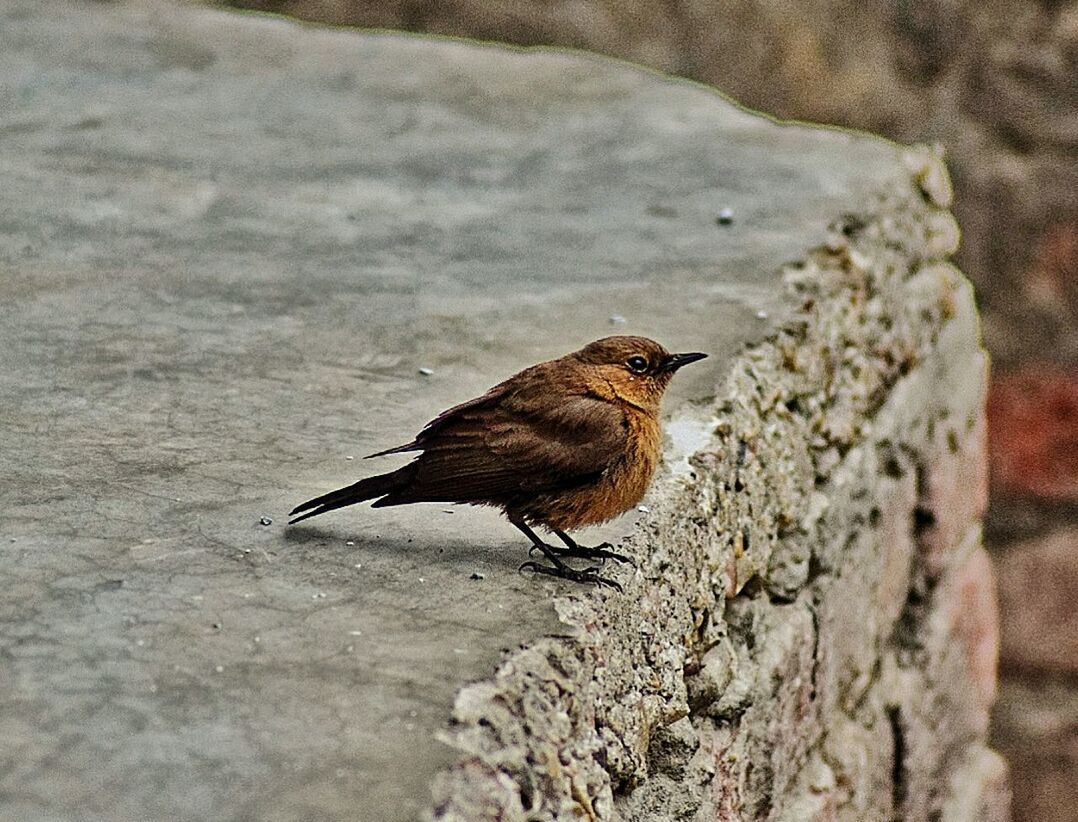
(227, 246)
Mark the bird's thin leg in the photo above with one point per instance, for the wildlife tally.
(557, 568)
(601, 551)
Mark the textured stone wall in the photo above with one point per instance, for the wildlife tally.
(875, 679)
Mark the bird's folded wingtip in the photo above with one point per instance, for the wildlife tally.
(302, 517)
(304, 506)
(400, 449)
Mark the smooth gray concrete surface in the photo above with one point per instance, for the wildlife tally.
(228, 245)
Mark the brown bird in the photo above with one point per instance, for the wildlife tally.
(563, 444)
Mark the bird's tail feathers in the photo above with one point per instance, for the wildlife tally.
(365, 489)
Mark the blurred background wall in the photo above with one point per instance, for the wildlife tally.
(996, 83)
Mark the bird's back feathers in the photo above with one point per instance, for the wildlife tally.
(517, 441)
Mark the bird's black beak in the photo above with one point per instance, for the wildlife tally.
(675, 361)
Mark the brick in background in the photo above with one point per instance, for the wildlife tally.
(1035, 726)
(1038, 583)
(1033, 433)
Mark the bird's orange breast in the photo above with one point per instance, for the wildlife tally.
(620, 488)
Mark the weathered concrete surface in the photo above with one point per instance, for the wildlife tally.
(228, 245)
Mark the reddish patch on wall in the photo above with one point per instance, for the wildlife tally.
(1033, 432)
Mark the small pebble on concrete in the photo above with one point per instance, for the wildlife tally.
(726, 216)
(265, 521)
(426, 372)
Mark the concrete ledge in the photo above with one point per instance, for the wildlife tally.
(228, 246)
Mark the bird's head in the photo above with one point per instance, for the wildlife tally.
(634, 369)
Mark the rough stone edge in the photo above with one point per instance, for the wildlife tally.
(566, 725)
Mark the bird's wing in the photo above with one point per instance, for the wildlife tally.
(431, 429)
(519, 445)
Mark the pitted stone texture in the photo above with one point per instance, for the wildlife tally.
(905, 633)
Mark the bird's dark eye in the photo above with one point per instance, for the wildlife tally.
(637, 364)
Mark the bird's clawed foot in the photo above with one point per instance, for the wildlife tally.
(586, 575)
(558, 568)
(601, 551)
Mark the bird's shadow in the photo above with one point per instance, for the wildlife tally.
(453, 552)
